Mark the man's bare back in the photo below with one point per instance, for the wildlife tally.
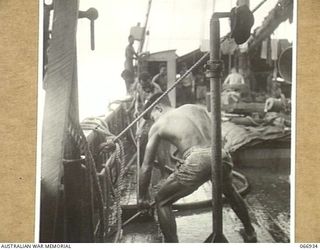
(184, 127)
(187, 128)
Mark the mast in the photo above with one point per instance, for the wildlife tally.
(145, 28)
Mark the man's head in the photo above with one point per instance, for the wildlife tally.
(159, 109)
(163, 69)
(145, 80)
(184, 67)
(131, 39)
(233, 70)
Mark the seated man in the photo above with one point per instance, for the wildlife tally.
(188, 129)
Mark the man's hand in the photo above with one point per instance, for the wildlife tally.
(136, 113)
(269, 104)
(145, 206)
(139, 131)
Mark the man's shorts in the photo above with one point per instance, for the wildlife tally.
(196, 167)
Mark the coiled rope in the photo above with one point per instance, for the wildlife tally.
(117, 158)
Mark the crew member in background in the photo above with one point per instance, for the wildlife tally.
(201, 86)
(161, 78)
(130, 55)
(143, 90)
(186, 91)
(234, 78)
(233, 88)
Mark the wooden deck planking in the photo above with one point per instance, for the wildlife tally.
(129, 196)
(268, 224)
(195, 226)
(142, 232)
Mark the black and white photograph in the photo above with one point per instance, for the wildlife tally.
(166, 121)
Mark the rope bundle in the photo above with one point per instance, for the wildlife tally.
(113, 155)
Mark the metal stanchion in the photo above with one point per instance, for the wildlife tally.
(215, 68)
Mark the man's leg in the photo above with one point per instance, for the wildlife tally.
(144, 128)
(239, 207)
(170, 192)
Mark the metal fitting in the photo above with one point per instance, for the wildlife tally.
(214, 68)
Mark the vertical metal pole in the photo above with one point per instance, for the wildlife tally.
(138, 166)
(215, 82)
(145, 28)
(92, 35)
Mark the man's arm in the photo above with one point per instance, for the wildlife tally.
(137, 57)
(155, 78)
(157, 88)
(146, 168)
(134, 54)
(193, 83)
(137, 103)
(226, 81)
(131, 53)
(141, 124)
(242, 79)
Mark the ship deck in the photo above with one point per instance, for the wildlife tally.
(268, 202)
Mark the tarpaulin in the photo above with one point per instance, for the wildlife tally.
(236, 136)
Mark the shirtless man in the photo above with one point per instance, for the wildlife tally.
(144, 89)
(130, 55)
(188, 129)
(234, 78)
(161, 78)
